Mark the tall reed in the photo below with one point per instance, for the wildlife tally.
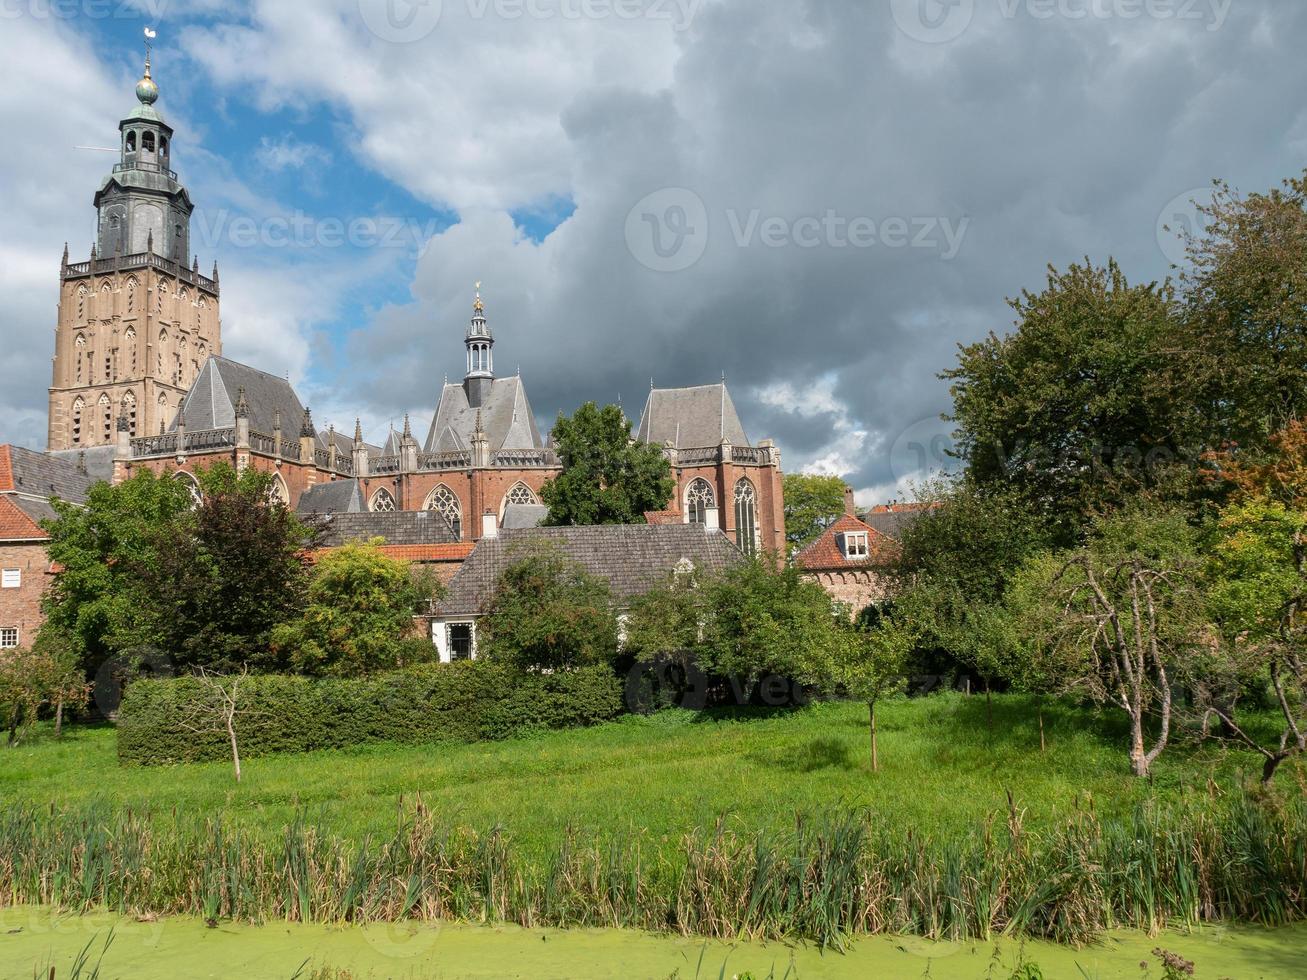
(826, 879)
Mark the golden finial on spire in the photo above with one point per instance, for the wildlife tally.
(478, 306)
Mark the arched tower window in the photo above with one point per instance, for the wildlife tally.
(383, 502)
(698, 498)
(79, 409)
(131, 141)
(129, 338)
(81, 304)
(445, 502)
(147, 141)
(79, 354)
(129, 411)
(159, 294)
(131, 295)
(746, 517)
(106, 417)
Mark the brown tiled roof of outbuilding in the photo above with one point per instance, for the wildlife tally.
(825, 554)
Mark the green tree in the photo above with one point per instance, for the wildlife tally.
(359, 610)
(47, 673)
(1116, 619)
(670, 619)
(875, 666)
(211, 589)
(1085, 405)
(100, 549)
(764, 620)
(812, 504)
(547, 613)
(1246, 322)
(607, 478)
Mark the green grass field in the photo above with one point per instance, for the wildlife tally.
(657, 778)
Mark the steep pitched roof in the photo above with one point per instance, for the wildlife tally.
(96, 460)
(211, 402)
(16, 524)
(397, 528)
(336, 497)
(506, 418)
(633, 559)
(41, 476)
(825, 554)
(691, 418)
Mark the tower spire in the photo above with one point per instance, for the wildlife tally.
(480, 344)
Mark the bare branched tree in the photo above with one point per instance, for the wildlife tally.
(219, 709)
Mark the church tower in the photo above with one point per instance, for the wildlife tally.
(136, 323)
(480, 343)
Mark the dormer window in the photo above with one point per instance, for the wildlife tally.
(855, 545)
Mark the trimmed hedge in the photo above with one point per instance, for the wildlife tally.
(470, 701)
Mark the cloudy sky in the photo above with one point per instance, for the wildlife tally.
(818, 198)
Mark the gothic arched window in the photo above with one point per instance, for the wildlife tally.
(79, 407)
(698, 498)
(147, 141)
(129, 338)
(277, 493)
(131, 295)
(192, 486)
(444, 501)
(81, 304)
(160, 293)
(519, 494)
(131, 141)
(129, 412)
(383, 502)
(106, 417)
(746, 517)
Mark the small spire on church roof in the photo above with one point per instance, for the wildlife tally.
(242, 405)
(276, 420)
(358, 432)
(306, 428)
(408, 428)
(478, 306)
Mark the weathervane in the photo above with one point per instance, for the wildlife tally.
(150, 35)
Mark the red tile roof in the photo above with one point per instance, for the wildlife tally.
(16, 525)
(824, 554)
(6, 468)
(663, 517)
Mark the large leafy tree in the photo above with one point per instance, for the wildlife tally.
(548, 613)
(607, 478)
(812, 504)
(212, 588)
(1246, 312)
(359, 610)
(100, 549)
(1083, 406)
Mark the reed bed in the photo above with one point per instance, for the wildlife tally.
(1235, 858)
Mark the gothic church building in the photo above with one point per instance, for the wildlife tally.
(139, 380)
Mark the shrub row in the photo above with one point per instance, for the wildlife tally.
(469, 701)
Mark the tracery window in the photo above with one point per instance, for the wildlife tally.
(78, 408)
(383, 502)
(129, 410)
(106, 417)
(277, 493)
(444, 501)
(746, 517)
(698, 498)
(192, 486)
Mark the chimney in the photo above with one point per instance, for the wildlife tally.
(489, 525)
(711, 520)
(850, 506)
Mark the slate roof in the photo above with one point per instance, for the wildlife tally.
(506, 418)
(894, 522)
(96, 460)
(519, 516)
(825, 554)
(633, 559)
(211, 402)
(41, 476)
(336, 497)
(691, 418)
(398, 528)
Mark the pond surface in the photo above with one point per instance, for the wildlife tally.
(32, 939)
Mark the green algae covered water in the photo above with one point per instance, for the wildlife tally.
(32, 940)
